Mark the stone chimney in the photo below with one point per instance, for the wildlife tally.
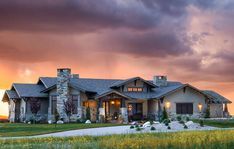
(160, 81)
(63, 78)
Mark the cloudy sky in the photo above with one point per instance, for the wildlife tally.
(189, 41)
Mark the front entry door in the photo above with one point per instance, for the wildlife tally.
(135, 111)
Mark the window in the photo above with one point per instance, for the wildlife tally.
(184, 108)
(53, 104)
(135, 89)
(74, 99)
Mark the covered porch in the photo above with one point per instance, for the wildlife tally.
(115, 107)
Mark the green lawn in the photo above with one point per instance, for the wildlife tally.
(20, 129)
(218, 123)
(179, 140)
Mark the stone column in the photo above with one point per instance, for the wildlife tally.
(79, 108)
(124, 111)
(63, 78)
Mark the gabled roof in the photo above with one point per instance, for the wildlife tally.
(112, 92)
(12, 94)
(123, 82)
(216, 97)
(29, 90)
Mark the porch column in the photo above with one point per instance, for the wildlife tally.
(159, 110)
(226, 113)
(101, 111)
(79, 108)
(124, 111)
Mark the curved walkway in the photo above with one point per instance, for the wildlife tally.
(109, 131)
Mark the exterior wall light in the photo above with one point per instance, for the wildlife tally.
(112, 102)
(200, 107)
(168, 104)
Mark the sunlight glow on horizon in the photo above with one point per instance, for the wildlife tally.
(3, 106)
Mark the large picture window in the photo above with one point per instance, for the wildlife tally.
(184, 108)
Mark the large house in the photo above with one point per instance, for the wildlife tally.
(111, 99)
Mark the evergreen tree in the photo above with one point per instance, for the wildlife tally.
(164, 114)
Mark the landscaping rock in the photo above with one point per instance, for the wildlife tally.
(88, 122)
(189, 123)
(147, 124)
(60, 122)
(134, 123)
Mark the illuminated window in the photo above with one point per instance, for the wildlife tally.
(135, 89)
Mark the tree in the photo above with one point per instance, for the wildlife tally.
(69, 108)
(88, 115)
(207, 113)
(35, 106)
(56, 116)
(164, 114)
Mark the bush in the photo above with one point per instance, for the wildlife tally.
(136, 126)
(187, 118)
(168, 127)
(164, 114)
(88, 115)
(131, 127)
(152, 128)
(207, 113)
(185, 127)
(181, 122)
(201, 122)
(166, 124)
(166, 121)
(179, 118)
(138, 129)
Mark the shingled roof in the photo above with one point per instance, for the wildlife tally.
(216, 97)
(29, 90)
(104, 86)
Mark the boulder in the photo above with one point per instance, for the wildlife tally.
(146, 124)
(134, 123)
(155, 122)
(189, 123)
(50, 122)
(88, 122)
(60, 122)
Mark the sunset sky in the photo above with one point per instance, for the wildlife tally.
(189, 41)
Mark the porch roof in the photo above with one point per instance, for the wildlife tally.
(216, 97)
(112, 92)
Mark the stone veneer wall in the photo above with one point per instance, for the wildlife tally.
(63, 78)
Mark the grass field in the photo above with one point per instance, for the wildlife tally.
(20, 129)
(219, 123)
(201, 139)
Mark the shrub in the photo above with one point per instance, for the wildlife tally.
(178, 118)
(136, 126)
(207, 113)
(181, 122)
(166, 121)
(152, 128)
(131, 127)
(88, 115)
(168, 127)
(138, 129)
(185, 127)
(164, 114)
(187, 118)
(166, 124)
(201, 122)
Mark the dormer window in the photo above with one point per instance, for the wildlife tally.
(135, 89)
